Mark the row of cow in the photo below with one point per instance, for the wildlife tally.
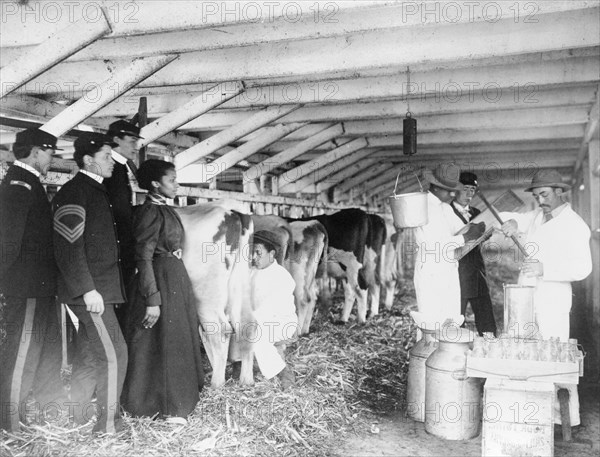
(350, 245)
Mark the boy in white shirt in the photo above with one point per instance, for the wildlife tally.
(272, 289)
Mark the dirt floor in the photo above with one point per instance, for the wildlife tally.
(399, 436)
(396, 435)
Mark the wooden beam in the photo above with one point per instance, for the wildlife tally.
(33, 62)
(319, 20)
(522, 85)
(295, 174)
(142, 121)
(124, 79)
(485, 135)
(213, 97)
(25, 26)
(300, 148)
(322, 173)
(42, 111)
(554, 31)
(228, 136)
(367, 173)
(269, 135)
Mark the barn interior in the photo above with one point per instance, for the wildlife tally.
(297, 108)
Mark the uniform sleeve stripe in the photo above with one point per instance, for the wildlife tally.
(16, 182)
(73, 210)
(71, 234)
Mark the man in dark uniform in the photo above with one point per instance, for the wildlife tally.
(87, 254)
(30, 355)
(125, 136)
(471, 268)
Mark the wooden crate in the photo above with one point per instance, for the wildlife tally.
(518, 418)
(525, 370)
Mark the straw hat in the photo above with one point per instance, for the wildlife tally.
(445, 176)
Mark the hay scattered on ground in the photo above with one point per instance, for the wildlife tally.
(346, 375)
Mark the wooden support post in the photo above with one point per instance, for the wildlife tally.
(228, 136)
(124, 79)
(209, 99)
(142, 121)
(54, 50)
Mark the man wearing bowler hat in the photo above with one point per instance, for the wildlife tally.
(436, 279)
(562, 255)
(30, 355)
(471, 268)
(124, 136)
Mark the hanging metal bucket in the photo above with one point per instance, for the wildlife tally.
(409, 210)
(519, 311)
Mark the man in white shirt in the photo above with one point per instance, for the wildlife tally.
(560, 241)
(436, 279)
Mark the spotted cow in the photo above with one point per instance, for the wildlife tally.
(347, 232)
(216, 254)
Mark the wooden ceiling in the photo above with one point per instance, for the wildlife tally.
(314, 93)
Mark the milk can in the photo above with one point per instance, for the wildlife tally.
(519, 311)
(453, 401)
(416, 374)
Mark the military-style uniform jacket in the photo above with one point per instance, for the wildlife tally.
(85, 242)
(27, 266)
(119, 194)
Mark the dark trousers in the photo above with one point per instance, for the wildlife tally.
(30, 360)
(99, 366)
(484, 314)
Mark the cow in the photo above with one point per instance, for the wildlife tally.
(216, 254)
(303, 244)
(307, 262)
(392, 270)
(373, 259)
(347, 232)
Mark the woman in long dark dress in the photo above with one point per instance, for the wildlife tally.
(165, 372)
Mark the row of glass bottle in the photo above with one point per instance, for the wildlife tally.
(507, 347)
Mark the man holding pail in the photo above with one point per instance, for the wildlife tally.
(437, 285)
(562, 254)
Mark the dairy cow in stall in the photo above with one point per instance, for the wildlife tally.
(347, 232)
(392, 270)
(216, 254)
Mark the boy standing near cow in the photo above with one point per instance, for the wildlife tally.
(91, 283)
